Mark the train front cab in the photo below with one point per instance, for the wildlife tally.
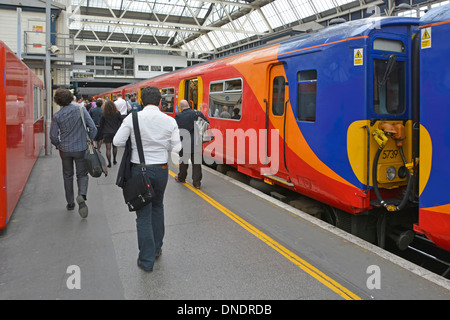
(434, 175)
(389, 173)
(362, 98)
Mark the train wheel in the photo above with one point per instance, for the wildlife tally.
(329, 215)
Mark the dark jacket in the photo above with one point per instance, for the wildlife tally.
(96, 114)
(109, 124)
(185, 120)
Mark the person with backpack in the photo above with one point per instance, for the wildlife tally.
(135, 106)
(191, 147)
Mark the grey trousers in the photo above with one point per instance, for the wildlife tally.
(68, 159)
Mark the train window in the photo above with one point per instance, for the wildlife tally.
(167, 99)
(278, 92)
(225, 99)
(37, 99)
(389, 87)
(216, 87)
(388, 45)
(232, 85)
(128, 96)
(306, 95)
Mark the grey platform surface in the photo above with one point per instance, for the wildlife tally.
(208, 252)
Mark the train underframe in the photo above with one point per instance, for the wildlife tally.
(377, 225)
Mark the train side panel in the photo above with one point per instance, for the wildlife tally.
(3, 203)
(434, 198)
(317, 135)
(22, 125)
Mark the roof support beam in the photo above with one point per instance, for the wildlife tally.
(159, 25)
(134, 46)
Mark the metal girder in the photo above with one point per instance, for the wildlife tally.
(166, 26)
(182, 30)
(159, 27)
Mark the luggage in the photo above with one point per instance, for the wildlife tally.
(95, 162)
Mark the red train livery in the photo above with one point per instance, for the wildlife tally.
(21, 128)
(353, 116)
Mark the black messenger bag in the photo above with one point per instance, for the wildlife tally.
(138, 191)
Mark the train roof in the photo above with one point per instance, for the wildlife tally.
(345, 30)
(360, 27)
(436, 14)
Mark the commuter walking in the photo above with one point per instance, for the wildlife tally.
(135, 106)
(109, 124)
(68, 135)
(96, 114)
(191, 150)
(122, 105)
(159, 135)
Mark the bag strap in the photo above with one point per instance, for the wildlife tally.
(84, 124)
(137, 134)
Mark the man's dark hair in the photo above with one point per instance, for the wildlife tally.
(63, 97)
(150, 95)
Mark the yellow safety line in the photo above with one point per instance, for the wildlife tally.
(302, 264)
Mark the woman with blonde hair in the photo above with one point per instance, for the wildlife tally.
(109, 124)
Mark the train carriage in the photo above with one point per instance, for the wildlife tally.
(333, 115)
(21, 128)
(348, 84)
(434, 200)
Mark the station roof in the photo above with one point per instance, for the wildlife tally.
(188, 25)
(194, 27)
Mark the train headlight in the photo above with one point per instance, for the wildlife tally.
(391, 173)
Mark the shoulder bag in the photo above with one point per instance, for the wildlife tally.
(201, 132)
(138, 191)
(96, 163)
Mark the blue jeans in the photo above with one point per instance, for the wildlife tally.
(150, 219)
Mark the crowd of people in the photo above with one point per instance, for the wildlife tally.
(110, 123)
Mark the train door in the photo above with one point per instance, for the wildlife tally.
(276, 120)
(192, 92)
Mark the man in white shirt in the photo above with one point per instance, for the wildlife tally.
(122, 105)
(159, 135)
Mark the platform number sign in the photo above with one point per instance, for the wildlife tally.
(358, 57)
(425, 38)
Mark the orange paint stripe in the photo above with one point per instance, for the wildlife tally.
(441, 209)
(435, 24)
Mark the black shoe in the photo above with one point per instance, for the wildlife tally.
(109, 165)
(178, 180)
(82, 207)
(197, 186)
(70, 206)
(139, 264)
